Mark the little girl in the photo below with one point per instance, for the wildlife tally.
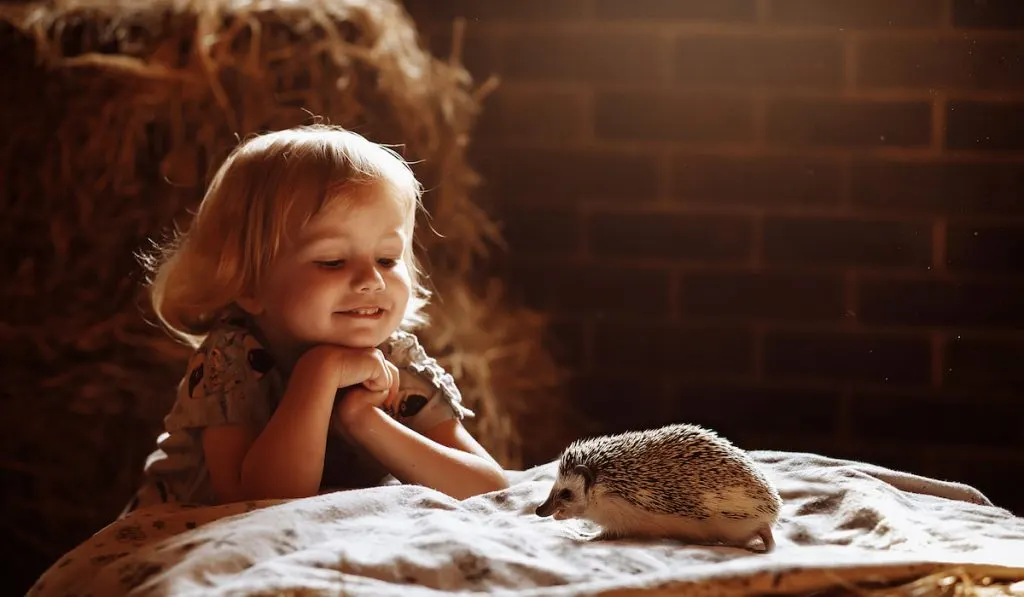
(297, 284)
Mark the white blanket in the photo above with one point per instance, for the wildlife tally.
(842, 522)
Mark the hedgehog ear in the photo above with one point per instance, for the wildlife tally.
(588, 476)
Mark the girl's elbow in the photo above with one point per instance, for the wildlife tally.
(493, 480)
(485, 480)
(500, 480)
(279, 487)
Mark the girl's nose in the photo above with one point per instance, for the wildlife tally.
(368, 279)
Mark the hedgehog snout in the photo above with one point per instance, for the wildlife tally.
(547, 508)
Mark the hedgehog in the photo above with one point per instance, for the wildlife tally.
(680, 482)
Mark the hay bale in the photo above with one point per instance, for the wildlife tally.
(118, 114)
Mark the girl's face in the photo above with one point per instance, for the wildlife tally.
(345, 280)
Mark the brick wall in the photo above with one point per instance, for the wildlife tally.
(798, 221)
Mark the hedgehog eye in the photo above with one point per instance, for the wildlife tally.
(565, 494)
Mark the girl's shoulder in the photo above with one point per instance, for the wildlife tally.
(230, 352)
(234, 338)
(403, 349)
(226, 380)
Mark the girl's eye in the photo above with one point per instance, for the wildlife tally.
(332, 264)
(388, 263)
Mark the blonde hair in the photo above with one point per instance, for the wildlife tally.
(266, 190)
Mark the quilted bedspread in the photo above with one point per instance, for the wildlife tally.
(842, 521)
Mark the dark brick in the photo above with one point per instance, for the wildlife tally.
(890, 456)
(479, 54)
(680, 349)
(847, 242)
(936, 420)
(531, 114)
(988, 14)
(761, 295)
(995, 126)
(577, 290)
(593, 56)
(569, 176)
(671, 236)
(985, 248)
(941, 303)
(736, 410)
(856, 358)
(757, 180)
(944, 187)
(837, 122)
(984, 362)
(856, 13)
(698, 10)
(678, 117)
(806, 440)
(532, 230)
(567, 342)
(620, 403)
(937, 62)
(474, 10)
(763, 60)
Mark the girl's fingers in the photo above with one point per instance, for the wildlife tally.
(394, 387)
(379, 379)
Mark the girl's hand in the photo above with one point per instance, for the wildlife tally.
(352, 366)
(381, 375)
(359, 399)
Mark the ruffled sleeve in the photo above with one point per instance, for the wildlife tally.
(222, 383)
(427, 393)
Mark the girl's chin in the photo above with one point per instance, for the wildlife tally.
(363, 338)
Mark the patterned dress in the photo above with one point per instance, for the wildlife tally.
(232, 379)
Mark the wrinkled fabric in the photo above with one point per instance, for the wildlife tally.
(841, 521)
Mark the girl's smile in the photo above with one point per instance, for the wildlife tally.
(363, 313)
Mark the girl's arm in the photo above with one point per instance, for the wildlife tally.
(286, 459)
(446, 458)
